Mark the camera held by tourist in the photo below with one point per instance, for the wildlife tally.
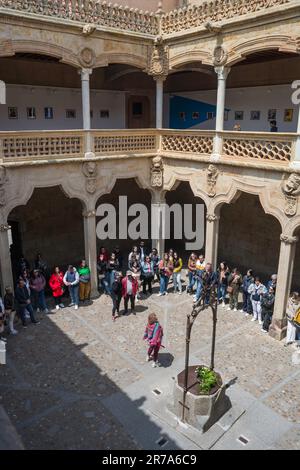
(84, 282)
(292, 313)
(248, 279)
(153, 334)
(256, 290)
(223, 274)
(71, 280)
(267, 308)
(56, 282)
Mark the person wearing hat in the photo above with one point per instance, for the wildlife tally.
(129, 290)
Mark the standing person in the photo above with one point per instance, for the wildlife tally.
(148, 274)
(191, 272)
(9, 307)
(256, 290)
(142, 251)
(41, 265)
(273, 126)
(155, 260)
(177, 265)
(22, 265)
(2, 319)
(84, 282)
(292, 309)
(104, 253)
(234, 283)
(71, 280)
(116, 294)
(134, 253)
(223, 274)
(119, 257)
(267, 308)
(135, 268)
(112, 266)
(103, 275)
(56, 283)
(248, 279)
(272, 282)
(165, 271)
(153, 334)
(200, 263)
(129, 291)
(23, 302)
(37, 288)
(206, 279)
(237, 127)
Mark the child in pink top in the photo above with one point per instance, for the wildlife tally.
(153, 334)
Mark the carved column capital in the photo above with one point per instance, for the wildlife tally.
(288, 239)
(222, 72)
(212, 217)
(4, 227)
(91, 213)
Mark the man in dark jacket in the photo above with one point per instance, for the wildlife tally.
(247, 281)
(267, 308)
(116, 294)
(22, 299)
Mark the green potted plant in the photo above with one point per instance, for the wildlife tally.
(209, 380)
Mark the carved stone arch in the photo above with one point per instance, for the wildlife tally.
(279, 42)
(121, 58)
(175, 181)
(183, 58)
(256, 189)
(11, 47)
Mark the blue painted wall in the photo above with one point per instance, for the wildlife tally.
(179, 104)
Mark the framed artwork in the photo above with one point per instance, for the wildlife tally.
(239, 115)
(48, 112)
(12, 112)
(209, 115)
(195, 115)
(31, 114)
(70, 113)
(182, 116)
(226, 115)
(288, 115)
(255, 115)
(272, 114)
(104, 113)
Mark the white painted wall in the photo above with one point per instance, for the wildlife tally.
(247, 99)
(60, 99)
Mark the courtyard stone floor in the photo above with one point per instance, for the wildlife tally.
(79, 381)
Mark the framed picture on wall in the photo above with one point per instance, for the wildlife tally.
(48, 112)
(209, 115)
(288, 115)
(255, 115)
(195, 115)
(12, 112)
(239, 115)
(272, 114)
(70, 113)
(31, 113)
(104, 113)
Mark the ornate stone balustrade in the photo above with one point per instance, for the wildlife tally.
(213, 11)
(32, 145)
(258, 145)
(90, 12)
(124, 142)
(198, 142)
(254, 147)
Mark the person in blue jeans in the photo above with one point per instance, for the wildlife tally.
(247, 304)
(71, 280)
(192, 268)
(223, 273)
(166, 271)
(23, 303)
(207, 278)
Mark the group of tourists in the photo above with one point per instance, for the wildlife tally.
(131, 278)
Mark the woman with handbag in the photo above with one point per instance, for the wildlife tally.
(292, 314)
(165, 270)
(56, 282)
(147, 274)
(234, 283)
(84, 282)
(223, 274)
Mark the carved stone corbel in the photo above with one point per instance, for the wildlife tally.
(288, 239)
(212, 176)
(88, 29)
(3, 180)
(291, 189)
(158, 61)
(220, 56)
(89, 170)
(157, 171)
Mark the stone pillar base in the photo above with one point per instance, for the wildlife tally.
(277, 329)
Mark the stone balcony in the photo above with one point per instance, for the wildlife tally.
(256, 149)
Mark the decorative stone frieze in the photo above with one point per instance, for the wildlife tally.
(157, 170)
(212, 176)
(89, 169)
(291, 189)
(158, 61)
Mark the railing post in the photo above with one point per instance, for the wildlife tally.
(222, 73)
(295, 159)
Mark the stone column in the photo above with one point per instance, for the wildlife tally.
(284, 280)
(295, 163)
(157, 222)
(90, 243)
(5, 261)
(212, 238)
(222, 73)
(159, 101)
(86, 107)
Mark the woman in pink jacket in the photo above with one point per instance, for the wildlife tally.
(153, 334)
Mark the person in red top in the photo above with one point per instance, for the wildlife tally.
(153, 334)
(56, 283)
(129, 290)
